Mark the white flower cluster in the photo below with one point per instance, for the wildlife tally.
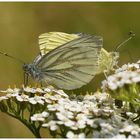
(95, 116)
(116, 128)
(127, 74)
(73, 114)
(132, 130)
(39, 95)
(40, 116)
(129, 67)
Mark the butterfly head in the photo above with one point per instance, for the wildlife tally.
(31, 70)
(28, 68)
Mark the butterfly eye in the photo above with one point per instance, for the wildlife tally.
(25, 66)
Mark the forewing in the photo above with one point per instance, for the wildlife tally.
(73, 64)
(51, 40)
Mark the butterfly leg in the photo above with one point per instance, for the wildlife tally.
(41, 83)
(26, 79)
(105, 74)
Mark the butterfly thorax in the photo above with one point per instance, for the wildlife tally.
(107, 61)
(31, 70)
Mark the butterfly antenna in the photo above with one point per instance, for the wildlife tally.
(17, 59)
(131, 35)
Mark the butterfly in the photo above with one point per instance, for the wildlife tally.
(70, 61)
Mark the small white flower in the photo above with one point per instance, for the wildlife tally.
(81, 135)
(9, 95)
(131, 115)
(81, 116)
(36, 99)
(127, 128)
(73, 106)
(71, 135)
(69, 114)
(138, 62)
(45, 114)
(123, 68)
(47, 98)
(55, 97)
(61, 92)
(28, 89)
(22, 97)
(38, 117)
(9, 90)
(69, 123)
(51, 124)
(112, 82)
(60, 122)
(81, 124)
(60, 116)
(112, 85)
(45, 125)
(120, 79)
(90, 97)
(52, 107)
(120, 136)
(40, 90)
(136, 79)
(108, 110)
(106, 126)
(128, 67)
(3, 98)
(101, 97)
(48, 101)
(64, 101)
(90, 122)
(133, 66)
(16, 90)
(135, 132)
(65, 119)
(64, 114)
(61, 108)
(47, 90)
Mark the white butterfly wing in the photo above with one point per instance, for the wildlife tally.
(51, 40)
(73, 64)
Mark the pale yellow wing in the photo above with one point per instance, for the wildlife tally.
(51, 40)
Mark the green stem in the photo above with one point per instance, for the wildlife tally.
(32, 128)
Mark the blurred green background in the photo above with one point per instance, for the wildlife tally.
(21, 23)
